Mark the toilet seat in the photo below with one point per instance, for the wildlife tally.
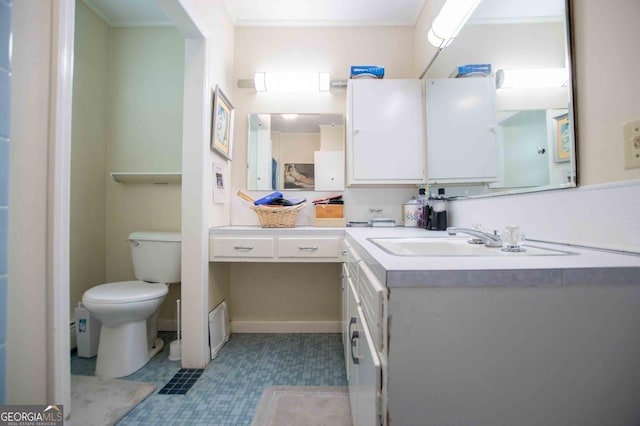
(125, 292)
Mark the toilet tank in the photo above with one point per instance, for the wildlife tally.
(156, 256)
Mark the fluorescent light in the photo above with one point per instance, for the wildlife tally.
(450, 20)
(324, 81)
(259, 82)
(292, 81)
(289, 116)
(532, 78)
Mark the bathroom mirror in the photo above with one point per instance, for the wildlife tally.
(534, 143)
(295, 151)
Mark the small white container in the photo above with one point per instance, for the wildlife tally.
(87, 332)
(411, 211)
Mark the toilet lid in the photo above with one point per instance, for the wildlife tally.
(125, 292)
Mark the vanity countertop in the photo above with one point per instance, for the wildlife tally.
(583, 267)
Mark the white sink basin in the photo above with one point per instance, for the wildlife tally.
(453, 247)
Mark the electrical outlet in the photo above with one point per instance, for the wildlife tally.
(631, 131)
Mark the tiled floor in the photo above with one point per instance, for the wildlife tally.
(229, 389)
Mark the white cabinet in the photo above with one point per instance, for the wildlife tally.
(363, 313)
(263, 247)
(363, 366)
(307, 247)
(329, 170)
(242, 247)
(385, 132)
(461, 130)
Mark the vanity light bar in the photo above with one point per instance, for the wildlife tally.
(292, 81)
(450, 20)
(531, 78)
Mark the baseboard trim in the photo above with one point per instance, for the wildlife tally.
(286, 327)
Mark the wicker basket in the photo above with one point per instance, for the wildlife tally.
(278, 217)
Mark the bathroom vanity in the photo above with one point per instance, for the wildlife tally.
(490, 339)
(474, 336)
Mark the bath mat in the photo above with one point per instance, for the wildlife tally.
(99, 401)
(303, 405)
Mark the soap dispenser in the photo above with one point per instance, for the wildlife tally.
(438, 220)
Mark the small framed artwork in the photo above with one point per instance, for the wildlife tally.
(562, 152)
(220, 182)
(299, 176)
(222, 124)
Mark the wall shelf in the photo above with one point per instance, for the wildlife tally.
(157, 178)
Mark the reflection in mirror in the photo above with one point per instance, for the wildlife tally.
(295, 151)
(532, 141)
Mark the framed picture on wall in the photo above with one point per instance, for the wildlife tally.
(299, 176)
(222, 124)
(562, 152)
(220, 182)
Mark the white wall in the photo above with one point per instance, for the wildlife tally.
(324, 49)
(145, 135)
(27, 357)
(305, 49)
(88, 154)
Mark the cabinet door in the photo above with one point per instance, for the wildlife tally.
(385, 132)
(372, 296)
(354, 324)
(461, 133)
(369, 378)
(345, 315)
(329, 170)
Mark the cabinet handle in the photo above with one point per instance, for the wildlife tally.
(352, 338)
(344, 252)
(308, 248)
(243, 248)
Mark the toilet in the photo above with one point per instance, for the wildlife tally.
(128, 309)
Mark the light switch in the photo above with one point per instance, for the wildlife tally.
(631, 131)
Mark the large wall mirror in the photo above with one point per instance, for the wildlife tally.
(530, 127)
(296, 151)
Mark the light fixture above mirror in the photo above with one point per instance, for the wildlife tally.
(450, 20)
(292, 81)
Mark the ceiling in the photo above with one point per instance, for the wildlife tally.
(273, 12)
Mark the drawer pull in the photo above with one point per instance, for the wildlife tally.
(243, 248)
(353, 335)
(308, 248)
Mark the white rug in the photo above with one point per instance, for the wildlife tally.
(303, 405)
(97, 401)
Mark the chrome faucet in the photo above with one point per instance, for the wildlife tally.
(489, 240)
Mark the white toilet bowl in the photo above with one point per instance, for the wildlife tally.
(124, 309)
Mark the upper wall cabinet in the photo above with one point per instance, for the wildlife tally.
(461, 130)
(385, 132)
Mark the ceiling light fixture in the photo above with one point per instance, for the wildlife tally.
(450, 20)
(292, 81)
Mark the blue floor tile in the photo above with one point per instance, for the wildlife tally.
(230, 386)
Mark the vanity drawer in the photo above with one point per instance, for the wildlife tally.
(243, 247)
(326, 247)
(372, 299)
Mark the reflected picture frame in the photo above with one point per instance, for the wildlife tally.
(222, 115)
(562, 151)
